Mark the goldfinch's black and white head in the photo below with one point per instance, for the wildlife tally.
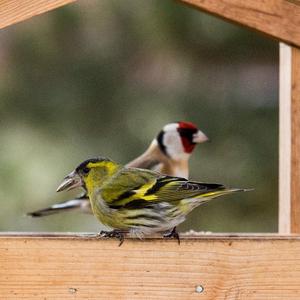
(178, 140)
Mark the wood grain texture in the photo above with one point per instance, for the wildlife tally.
(70, 267)
(285, 128)
(295, 165)
(14, 11)
(277, 18)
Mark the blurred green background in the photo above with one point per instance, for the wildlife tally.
(102, 78)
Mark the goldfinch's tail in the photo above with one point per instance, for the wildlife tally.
(78, 204)
(46, 212)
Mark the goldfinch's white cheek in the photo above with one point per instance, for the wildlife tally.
(174, 146)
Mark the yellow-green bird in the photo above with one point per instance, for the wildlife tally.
(139, 201)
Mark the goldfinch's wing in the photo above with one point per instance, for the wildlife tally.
(131, 187)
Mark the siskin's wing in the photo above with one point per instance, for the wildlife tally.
(128, 183)
(133, 188)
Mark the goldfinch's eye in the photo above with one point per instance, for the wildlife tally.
(85, 170)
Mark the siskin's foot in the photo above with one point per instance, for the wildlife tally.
(172, 235)
(113, 234)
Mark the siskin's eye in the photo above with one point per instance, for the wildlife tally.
(85, 170)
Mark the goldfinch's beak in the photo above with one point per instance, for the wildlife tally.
(70, 182)
(199, 137)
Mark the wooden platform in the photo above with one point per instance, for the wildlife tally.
(203, 267)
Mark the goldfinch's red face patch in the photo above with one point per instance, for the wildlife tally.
(178, 140)
(186, 131)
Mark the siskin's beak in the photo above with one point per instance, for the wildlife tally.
(199, 137)
(70, 182)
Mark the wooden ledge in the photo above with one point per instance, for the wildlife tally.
(78, 266)
(186, 236)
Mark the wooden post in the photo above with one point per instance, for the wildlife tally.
(285, 84)
(289, 140)
(295, 145)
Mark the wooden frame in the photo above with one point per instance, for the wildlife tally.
(207, 267)
(211, 267)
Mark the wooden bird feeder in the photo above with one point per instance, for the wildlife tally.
(265, 266)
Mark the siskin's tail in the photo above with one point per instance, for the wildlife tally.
(225, 191)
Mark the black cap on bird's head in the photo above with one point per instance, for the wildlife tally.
(178, 140)
(75, 178)
(91, 162)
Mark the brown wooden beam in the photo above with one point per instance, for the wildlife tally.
(14, 11)
(295, 145)
(207, 267)
(277, 18)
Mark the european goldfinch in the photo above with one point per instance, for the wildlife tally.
(168, 153)
(138, 201)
